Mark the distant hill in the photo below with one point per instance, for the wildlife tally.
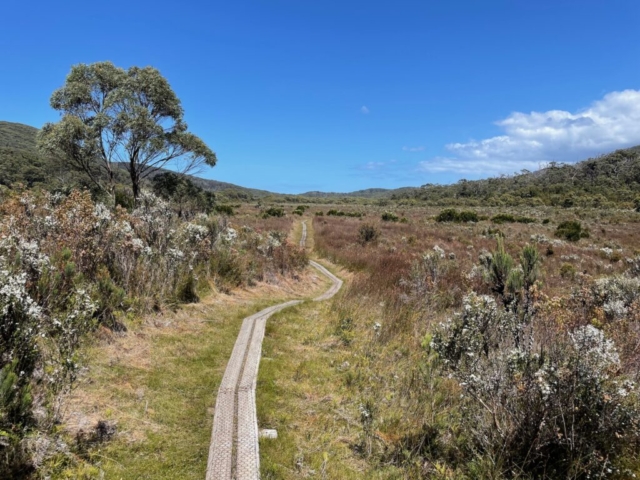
(20, 162)
(17, 136)
(606, 181)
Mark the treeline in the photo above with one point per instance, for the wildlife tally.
(611, 180)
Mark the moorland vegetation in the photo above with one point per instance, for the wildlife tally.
(466, 351)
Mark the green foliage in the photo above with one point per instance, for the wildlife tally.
(110, 297)
(15, 397)
(530, 262)
(319, 213)
(134, 115)
(389, 217)
(567, 270)
(571, 230)
(345, 331)
(453, 215)
(224, 209)
(448, 215)
(501, 266)
(186, 292)
(509, 218)
(603, 182)
(124, 199)
(186, 197)
(273, 212)
(340, 213)
(367, 233)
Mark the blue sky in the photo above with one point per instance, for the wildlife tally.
(343, 95)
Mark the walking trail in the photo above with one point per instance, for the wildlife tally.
(234, 453)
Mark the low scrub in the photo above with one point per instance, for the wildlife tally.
(368, 233)
(340, 213)
(453, 215)
(224, 209)
(509, 218)
(69, 265)
(389, 217)
(571, 230)
(273, 212)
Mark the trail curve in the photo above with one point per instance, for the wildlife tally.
(234, 451)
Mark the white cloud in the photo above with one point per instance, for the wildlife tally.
(373, 165)
(377, 165)
(364, 110)
(532, 139)
(413, 149)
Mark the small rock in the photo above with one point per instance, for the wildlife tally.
(269, 433)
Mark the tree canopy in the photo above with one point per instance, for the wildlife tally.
(114, 118)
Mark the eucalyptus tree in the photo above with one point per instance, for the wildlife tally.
(113, 118)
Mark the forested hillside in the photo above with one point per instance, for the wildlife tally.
(606, 181)
(20, 162)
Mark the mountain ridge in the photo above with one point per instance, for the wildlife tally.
(614, 177)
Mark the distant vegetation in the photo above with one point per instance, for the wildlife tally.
(509, 218)
(453, 215)
(571, 230)
(607, 181)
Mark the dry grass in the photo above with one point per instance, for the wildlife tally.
(414, 412)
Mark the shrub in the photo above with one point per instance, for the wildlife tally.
(124, 199)
(186, 291)
(571, 230)
(224, 209)
(448, 215)
(68, 264)
(453, 215)
(467, 216)
(516, 402)
(299, 210)
(508, 218)
(389, 217)
(567, 270)
(273, 212)
(319, 213)
(367, 233)
(345, 331)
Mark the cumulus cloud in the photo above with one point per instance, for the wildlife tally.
(364, 109)
(413, 149)
(532, 139)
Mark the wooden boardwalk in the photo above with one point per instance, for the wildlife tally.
(234, 452)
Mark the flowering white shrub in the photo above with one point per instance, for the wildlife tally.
(540, 238)
(597, 353)
(68, 264)
(615, 294)
(519, 398)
